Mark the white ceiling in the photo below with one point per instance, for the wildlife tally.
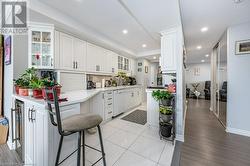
(217, 15)
(143, 19)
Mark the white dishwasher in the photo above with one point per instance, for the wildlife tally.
(121, 101)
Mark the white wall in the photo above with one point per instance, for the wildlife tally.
(205, 69)
(238, 104)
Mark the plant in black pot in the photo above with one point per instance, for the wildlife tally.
(166, 129)
(164, 97)
(166, 113)
(165, 118)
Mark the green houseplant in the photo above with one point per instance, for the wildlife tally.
(37, 85)
(163, 96)
(166, 113)
(165, 124)
(47, 83)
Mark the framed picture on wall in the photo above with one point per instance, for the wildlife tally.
(7, 50)
(242, 47)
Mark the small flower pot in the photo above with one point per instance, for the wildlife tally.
(37, 93)
(165, 118)
(17, 89)
(166, 129)
(23, 91)
(50, 95)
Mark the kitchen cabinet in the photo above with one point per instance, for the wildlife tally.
(66, 51)
(72, 53)
(96, 59)
(41, 46)
(169, 50)
(35, 138)
(132, 68)
(42, 138)
(102, 104)
(111, 61)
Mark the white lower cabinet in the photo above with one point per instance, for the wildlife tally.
(102, 104)
(42, 138)
(35, 139)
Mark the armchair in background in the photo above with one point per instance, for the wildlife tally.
(223, 91)
(207, 90)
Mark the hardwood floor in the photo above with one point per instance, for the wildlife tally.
(207, 143)
(9, 157)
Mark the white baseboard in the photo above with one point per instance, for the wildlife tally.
(238, 131)
(179, 138)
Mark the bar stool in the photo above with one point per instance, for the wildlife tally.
(74, 124)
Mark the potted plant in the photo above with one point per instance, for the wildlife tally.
(166, 129)
(47, 83)
(17, 84)
(37, 85)
(24, 87)
(164, 97)
(166, 113)
(29, 75)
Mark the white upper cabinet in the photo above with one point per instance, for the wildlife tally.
(79, 54)
(41, 46)
(94, 58)
(70, 52)
(66, 51)
(111, 62)
(170, 49)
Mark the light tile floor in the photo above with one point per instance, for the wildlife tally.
(130, 144)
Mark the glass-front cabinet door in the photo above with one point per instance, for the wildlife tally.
(41, 42)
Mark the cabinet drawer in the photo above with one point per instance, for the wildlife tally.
(109, 104)
(108, 113)
(108, 95)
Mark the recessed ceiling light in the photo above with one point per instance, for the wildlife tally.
(154, 57)
(238, 1)
(199, 47)
(202, 60)
(125, 31)
(144, 45)
(207, 55)
(204, 29)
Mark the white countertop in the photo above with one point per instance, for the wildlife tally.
(74, 97)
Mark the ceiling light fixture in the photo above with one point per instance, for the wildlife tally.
(238, 1)
(125, 31)
(199, 47)
(207, 55)
(154, 57)
(204, 29)
(202, 60)
(144, 45)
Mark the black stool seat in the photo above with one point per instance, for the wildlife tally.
(81, 122)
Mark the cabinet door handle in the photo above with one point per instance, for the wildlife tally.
(33, 114)
(29, 116)
(110, 104)
(74, 64)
